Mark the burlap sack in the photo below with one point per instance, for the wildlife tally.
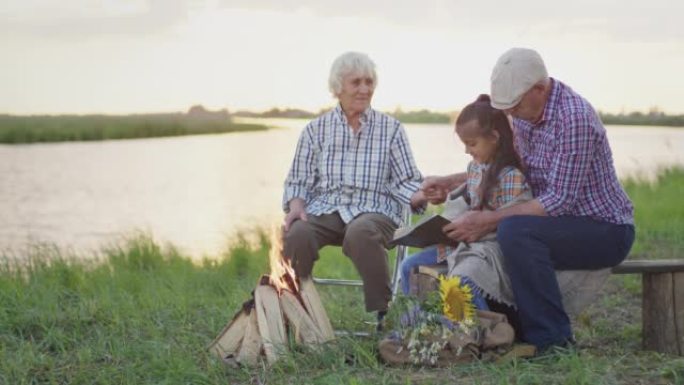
(493, 333)
(394, 352)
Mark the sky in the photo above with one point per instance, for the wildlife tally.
(137, 56)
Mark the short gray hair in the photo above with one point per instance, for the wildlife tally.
(348, 63)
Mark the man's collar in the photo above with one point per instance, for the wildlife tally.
(550, 105)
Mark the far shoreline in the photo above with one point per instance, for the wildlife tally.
(68, 128)
(29, 129)
(424, 116)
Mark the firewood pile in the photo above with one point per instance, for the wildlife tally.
(283, 308)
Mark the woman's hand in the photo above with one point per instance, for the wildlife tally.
(470, 227)
(297, 211)
(418, 199)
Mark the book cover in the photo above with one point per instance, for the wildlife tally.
(425, 232)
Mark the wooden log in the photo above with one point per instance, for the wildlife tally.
(314, 306)
(678, 293)
(425, 280)
(433, 271)
(413, 283)
(270, 321)
(659, 332)
(426, 284)
(304, 326)
(228, 341)
(251, 343)
(649, 266)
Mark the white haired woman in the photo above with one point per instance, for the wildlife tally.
(352, 174)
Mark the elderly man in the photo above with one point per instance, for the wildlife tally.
(580, 219)
(352, 174)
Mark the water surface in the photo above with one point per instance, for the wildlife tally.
(197, 191)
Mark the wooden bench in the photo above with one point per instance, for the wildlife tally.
(662, 299)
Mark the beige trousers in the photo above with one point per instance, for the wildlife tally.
(364, 240)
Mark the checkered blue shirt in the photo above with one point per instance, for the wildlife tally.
(568, 160)
(372, 171)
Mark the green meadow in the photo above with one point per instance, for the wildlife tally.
(142, 313)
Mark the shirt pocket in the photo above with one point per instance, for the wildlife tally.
(376, 164)
(538, 162)
(328, 162)
(538, 169)
(541, 157)
(381, 157)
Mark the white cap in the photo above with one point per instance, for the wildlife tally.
(516, 71)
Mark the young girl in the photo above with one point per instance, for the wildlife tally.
(494, 180)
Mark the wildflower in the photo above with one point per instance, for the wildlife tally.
(426, 325)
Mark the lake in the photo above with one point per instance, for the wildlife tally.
(197, 192)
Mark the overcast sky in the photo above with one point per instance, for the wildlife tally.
(107, 56)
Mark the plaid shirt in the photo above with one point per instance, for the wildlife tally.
(372, 171)
(511, 184)
(568, 161)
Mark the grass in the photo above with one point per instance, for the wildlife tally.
(32, 129)
(422, 116)
(141, 313)
(653, 118)
(659, 215)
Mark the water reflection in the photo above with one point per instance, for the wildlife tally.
(196, 191)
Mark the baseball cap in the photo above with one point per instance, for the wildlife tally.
(516, 71)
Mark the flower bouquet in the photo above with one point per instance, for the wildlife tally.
(444, 328)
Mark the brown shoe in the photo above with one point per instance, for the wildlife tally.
(517, 351)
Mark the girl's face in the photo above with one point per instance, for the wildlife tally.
(481, 147)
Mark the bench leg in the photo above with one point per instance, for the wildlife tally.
(663, 312)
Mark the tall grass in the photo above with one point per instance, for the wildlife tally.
(659, 215)
(31, 129)
(641, 119)
(143, 314)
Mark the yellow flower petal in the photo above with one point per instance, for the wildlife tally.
(457, 299)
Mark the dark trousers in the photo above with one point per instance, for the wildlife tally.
(535, 246)
(364, 240)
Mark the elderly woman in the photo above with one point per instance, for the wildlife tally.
(352, 174)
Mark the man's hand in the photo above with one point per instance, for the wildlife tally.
(297, 211)
(471, 226)
(474, 224)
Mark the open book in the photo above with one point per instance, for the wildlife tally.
(425, 232)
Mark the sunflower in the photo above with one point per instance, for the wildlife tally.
(457, 299)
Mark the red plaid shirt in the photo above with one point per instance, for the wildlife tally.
(569, 164)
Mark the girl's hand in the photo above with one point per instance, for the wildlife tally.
(435, 196)
(435, 189)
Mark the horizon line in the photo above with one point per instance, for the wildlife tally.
(647, 111)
